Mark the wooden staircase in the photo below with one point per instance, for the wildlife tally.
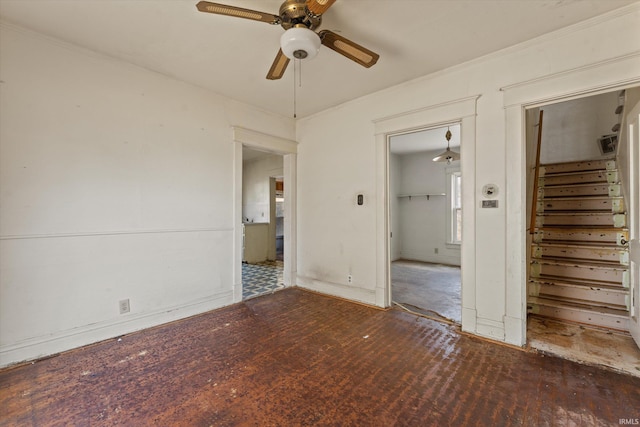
(579, 255)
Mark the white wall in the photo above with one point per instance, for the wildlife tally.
(571, 129)
(423, 222)
(115, 182)
(255, 186)
(338, 238)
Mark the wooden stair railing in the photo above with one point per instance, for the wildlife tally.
(534, 203)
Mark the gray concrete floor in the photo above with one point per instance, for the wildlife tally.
(430, 289)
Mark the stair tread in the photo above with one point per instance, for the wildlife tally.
(578, 184)
(586, 307)
(598, 307)
(583, 227)
(580, 263)
(583, 197)
(577, 213)
(575, 162)
(587, 282)
(561, 281)
(591, 168)
(572, 229)
(580, 244)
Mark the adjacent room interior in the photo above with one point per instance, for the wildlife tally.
(425, 201)
(262, 222)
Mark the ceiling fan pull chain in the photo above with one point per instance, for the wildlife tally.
(295, 68)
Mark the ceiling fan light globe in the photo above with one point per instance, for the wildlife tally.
(300, 43)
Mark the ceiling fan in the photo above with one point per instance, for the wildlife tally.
(299, 18)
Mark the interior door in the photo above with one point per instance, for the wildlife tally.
(633, 120)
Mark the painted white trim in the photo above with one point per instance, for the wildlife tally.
(367, 296)
(490, 329)
(436, 115)
(37, 347)
(290, 220)
(589, 79)
(516, 225)
(271, 143)
(288, 149)
(613, 74)
(632, 122)
(238, 230)
(462, 111)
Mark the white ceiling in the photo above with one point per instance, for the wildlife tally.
(231, 56)
(425, 140)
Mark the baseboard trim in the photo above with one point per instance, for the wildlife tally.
(366, 296)
(44, 346)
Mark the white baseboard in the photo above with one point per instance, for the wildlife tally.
(367, 296)
(42, 346)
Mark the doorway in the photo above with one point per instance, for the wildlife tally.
(251, 143)
(577, 251)
(425, 212)
(262, 194)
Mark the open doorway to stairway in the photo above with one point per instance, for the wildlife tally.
(425, 210)
(580, 295)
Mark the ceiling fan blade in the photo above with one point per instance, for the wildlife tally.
(346, 47)
(238, 12)
(318, 7)
(278, 67)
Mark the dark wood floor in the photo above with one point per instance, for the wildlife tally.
(297, 358)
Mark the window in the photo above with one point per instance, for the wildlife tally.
(454, 204)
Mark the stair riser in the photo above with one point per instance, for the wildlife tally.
(577, 272)
(596, 296)
(600, 236)
(569, 219)
(578, 166)
(612, 190)
(570, 314)
(593, 254)
(610, 177)
(614, 205)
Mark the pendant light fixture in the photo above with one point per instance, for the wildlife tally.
(448, 156)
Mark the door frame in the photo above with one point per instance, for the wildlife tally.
(633, 134)
(592, 79)
(288, 149)
(462, 111)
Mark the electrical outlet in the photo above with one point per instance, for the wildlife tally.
(435, 250)
(349, 279)
(124, 306)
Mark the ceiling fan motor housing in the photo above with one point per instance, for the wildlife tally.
(294, 13)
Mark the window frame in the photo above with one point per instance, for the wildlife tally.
(452, 208)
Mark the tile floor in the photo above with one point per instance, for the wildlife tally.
(262, 278)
